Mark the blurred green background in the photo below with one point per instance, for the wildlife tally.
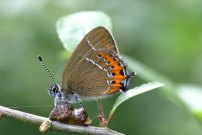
(164, 35)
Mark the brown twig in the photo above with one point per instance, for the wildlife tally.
(38, 120)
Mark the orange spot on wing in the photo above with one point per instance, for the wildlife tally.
(116, 70)
(116, 85)
(112, 90)
(119, 77)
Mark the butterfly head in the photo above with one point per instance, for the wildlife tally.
(53, 90)
(59, 96)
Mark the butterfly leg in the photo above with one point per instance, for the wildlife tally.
(77, 99)
(103, 121)
(60, 99)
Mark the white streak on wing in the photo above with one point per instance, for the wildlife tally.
(90, 60)
(106, 90)
(90, 44)
(107, 73)
(87, 59)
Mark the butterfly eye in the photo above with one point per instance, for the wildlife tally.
(53, 90)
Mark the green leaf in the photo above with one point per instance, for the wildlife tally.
(72, 28)
(149, 74)
(144, 71)
(191, 95)
(134, 92)
(198, 115)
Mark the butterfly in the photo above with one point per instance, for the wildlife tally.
(95, 69)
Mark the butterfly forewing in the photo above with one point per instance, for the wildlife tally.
(88, 73)
(97, 39)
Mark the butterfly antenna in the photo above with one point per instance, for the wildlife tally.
(43, 64)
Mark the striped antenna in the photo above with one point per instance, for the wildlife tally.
(43, 64)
